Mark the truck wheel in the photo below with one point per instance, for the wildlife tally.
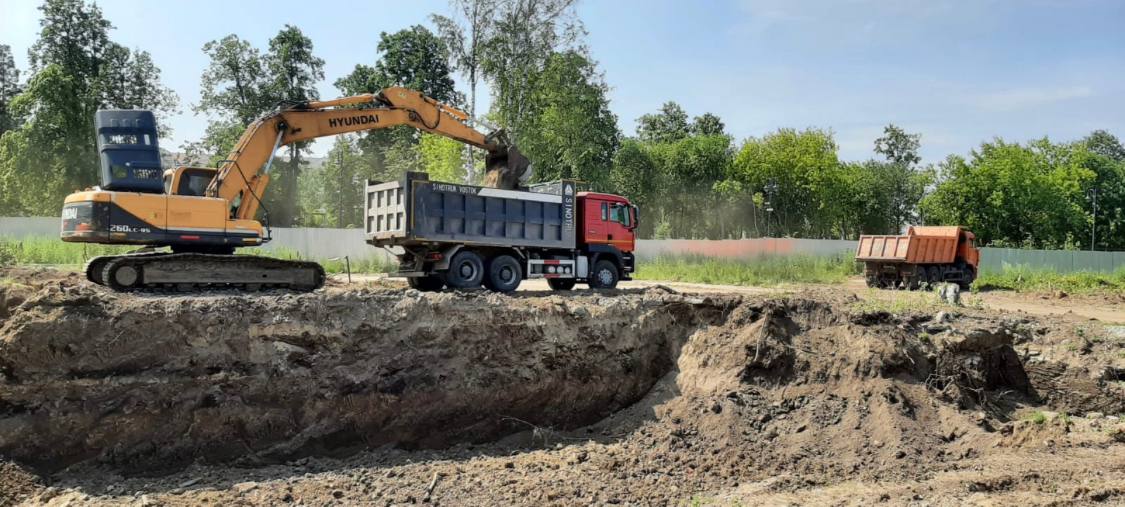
(432, 283)
(934, 276)
(504, 274)
(604, 275)
(466, 270)
(560, 283)
(967, 279)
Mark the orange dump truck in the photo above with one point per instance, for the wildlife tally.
(924, 255)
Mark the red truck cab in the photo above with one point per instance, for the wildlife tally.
(607, 219)
(608, 223)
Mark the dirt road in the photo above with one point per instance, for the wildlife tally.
(1110, 310)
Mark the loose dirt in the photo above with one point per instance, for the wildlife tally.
(385, 396)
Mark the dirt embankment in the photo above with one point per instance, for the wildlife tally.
(647, 397)
(145, 382)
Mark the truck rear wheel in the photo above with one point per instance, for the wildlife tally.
(466, 270)
(560, 283)
(504, 274)
(603, 276)
(432, 283)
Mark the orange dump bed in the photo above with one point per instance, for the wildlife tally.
(920, 245)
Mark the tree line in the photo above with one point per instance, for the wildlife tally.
(691, 178)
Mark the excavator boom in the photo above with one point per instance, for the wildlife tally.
(246, 169)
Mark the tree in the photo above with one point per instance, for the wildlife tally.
(234, 89)
(570, 131)
(1100, 142)
(667, 126)
(898, 146)
(294, 72)
(76, 70)
(1016, 195)
(885, 195)
(9, 88)
(234, 82)
(708, 125)
(132, 81)
(1107, 161)
(688, 171)
(801, 175)
(413, 58)
(881, 197)
(341, 179)
(465, 37)
(441, 157)
(526, 34)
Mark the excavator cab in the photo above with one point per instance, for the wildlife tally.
(190, 181)
(128, 151)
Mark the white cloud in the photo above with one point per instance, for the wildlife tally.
(1014, 99)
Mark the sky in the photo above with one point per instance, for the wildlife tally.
(957, 72)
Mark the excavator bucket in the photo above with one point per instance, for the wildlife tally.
(505, 167)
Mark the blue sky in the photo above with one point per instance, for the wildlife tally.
(958, 72)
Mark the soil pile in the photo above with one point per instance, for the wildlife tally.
(644, 397)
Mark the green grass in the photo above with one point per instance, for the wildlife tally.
(1023, 279)
(767, 271)
(54, 252)
(1037, 417)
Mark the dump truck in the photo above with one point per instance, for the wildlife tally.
(462, 236)
(925, 255)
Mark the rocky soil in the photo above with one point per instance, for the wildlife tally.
(387, 396)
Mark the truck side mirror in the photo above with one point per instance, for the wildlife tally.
(634, 217)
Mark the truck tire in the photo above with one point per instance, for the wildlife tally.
(466, 270)
(561, 283)
(967, 279)
(432, 283)
(604, 275)
(504, 274)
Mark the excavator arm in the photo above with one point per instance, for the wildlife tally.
(243, 177)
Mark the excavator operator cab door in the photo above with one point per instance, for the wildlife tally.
(128, 151)
(191, 181)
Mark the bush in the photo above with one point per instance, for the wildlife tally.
(7, 255)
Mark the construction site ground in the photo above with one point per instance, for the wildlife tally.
(654, 394)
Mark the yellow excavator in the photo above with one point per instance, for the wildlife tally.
(204, 214)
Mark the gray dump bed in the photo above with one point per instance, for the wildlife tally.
(417, 211)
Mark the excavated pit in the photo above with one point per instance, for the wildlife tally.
(732, 387)
(155, 382)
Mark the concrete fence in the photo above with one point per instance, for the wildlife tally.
(336, 243)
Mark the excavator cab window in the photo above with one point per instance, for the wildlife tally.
(194, 182)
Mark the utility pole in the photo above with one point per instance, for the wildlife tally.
(1094, 224)
(340, 199)
(771, 194)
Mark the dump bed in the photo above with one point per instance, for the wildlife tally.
(416, 211)
(920, 245)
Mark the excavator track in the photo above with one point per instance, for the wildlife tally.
(186, 272)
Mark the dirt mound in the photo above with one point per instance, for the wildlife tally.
(648, 397)
(157, 381)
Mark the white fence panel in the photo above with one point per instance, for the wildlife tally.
(336, 243)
